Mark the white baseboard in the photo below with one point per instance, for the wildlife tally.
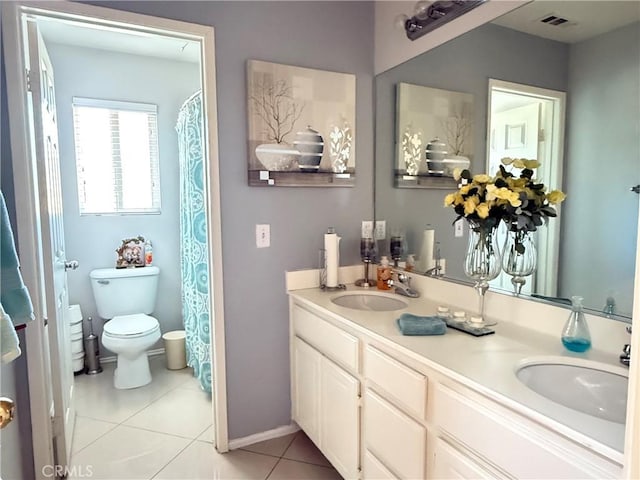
(262, 436)
(150, 353)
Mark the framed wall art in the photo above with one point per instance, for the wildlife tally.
(301, 126)
(434, 136)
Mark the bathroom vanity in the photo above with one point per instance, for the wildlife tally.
(382, 405)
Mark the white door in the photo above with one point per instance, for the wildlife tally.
(340, 418)
(55, 263)
(515, 134)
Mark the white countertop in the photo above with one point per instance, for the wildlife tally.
(486, 364)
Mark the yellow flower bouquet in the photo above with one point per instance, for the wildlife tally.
(521, 202)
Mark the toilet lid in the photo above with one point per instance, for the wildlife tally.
(129, 325)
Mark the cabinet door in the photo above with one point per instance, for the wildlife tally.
(450, 464)
(339, 418)
(306, 388)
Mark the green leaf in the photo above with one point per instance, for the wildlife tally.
(526, 173)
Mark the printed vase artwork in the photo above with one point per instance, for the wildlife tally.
(300, 126)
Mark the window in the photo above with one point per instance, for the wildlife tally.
(116, 156)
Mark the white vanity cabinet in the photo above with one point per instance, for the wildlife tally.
(379, 411)
(325, 389)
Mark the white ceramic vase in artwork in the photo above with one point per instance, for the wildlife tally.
(277, 157)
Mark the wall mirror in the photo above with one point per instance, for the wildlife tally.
(590, 52)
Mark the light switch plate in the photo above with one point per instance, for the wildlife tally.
(458, 228)
(381, 229)
(367, 229)
(263, 236)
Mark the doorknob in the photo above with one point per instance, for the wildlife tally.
(71, 265)
(7, 410)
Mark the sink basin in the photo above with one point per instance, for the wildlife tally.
(593, 388)
(371, 301)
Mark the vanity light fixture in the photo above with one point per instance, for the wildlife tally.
(429, 15)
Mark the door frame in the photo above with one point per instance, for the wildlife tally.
(549, 248)
(27, 211)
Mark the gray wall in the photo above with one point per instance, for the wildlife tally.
(464, 64)
(335, 36)
(16, 454)
(92, 239)
(603, 129)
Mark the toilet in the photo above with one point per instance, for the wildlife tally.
(125, 297)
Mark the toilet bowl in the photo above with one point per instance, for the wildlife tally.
(126, 297)
(130, 336)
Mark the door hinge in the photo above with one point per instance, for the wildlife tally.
(28, 79)
(541, 135)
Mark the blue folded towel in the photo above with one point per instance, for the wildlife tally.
(13, 294)
(414, 325)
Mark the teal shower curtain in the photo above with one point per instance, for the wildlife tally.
(193, 232)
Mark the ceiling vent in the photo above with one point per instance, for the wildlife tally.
(556, 20)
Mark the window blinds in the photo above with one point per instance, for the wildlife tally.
(117, 159)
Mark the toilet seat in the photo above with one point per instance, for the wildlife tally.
(131, 326)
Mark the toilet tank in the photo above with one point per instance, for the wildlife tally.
(124, 291)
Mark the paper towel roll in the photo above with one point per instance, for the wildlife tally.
(426, 261)
(332, 258)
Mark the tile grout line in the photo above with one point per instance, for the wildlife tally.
(274, 467)
(164, 433)
(172, 459)
(114, 425)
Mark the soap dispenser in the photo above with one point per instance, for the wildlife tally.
(575, 335)
(384, 274)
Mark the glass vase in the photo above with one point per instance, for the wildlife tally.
(519, 257)
(575, 335)
(482, 260)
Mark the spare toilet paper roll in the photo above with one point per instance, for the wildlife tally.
(75, 314)
(332, 258)
(426, 260)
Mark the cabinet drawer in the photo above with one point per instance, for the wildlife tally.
(451, 464)
(400, 381)
(374, 469)
(329, 339)
(394, 437)
(509, 442)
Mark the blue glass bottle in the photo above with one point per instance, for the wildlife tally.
(575, 335)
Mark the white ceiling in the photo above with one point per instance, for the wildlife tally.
(587, 18)
(118, 40)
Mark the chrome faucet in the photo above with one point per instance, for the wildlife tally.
(610, 307)
(625, 356)
(403, 284)
(435, 271)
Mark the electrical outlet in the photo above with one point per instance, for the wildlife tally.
(381, 229)
(458, 228)
(263, 236)
(367, 229)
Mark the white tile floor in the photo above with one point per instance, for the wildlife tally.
(164, 431)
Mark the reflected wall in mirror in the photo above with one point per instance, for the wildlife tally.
(596, 61)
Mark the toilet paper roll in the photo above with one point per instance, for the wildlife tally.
(75, 314)
(332, 258)
(426, 261)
